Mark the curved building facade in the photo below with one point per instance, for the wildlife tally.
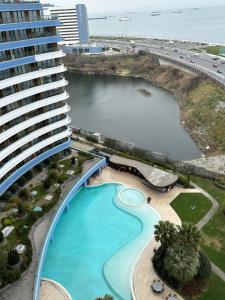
(34, 123)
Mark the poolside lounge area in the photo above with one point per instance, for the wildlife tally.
(155, 178)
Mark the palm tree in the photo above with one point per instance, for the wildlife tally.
(181, 263)
(165, 232)
(189, 236)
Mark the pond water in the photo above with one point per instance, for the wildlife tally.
(116, 107)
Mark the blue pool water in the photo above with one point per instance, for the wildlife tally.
(97, 242)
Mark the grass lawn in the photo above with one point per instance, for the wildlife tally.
(191, 207)
(214, 230)
(215, 291)
(213, 50)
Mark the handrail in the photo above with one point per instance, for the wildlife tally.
(64, 204)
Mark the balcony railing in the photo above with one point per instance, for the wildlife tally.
(25, 20)
(27, 53)
(18, 1)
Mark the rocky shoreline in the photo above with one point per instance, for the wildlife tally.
(176, 81)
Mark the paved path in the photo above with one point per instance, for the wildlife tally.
(205, 220)
(211, 212)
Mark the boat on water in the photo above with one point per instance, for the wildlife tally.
(125, 19)
(177, 12)
(155, 14)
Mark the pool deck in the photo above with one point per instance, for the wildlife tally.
(52, 290)
(144, 273)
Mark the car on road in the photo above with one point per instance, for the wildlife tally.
(192, 62)
(175, 50)
(161, 47)
(181, 56)
(215, 66)
(219, 71)
(223, 62)
(215, 58)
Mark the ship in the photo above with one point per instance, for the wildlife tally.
(125, 19)
(177, 12)
(155, 13)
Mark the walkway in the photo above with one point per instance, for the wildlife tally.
(205, 220)
(52, 290)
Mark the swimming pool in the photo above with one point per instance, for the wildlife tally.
(97, 242)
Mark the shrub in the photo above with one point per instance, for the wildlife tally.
(1, 237)
(224, 211)
(221, 180)
(205, 268)
(106, 297)
(23, 194)
(29, 175)
(7, 221)
(47, 183)
(13, 257)
(6, 196)
(47, 162)
(52, 175)
(73, 161)
(54, 165)
(21, 208)
(184, 181)
(14, 188)
(11, 276)
(21, 181)
(38, 168)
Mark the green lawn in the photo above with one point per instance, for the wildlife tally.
(191, 207)
(215, 291)
(214, 230)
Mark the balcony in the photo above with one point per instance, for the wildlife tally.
(32, 91)
(32, 150)
(27, 42)
(5, 135)
(32, 136)
(32, 106)
(30, 164)
(31, 75)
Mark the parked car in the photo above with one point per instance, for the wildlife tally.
(219, 71)
(181, 56)
(192, 62)
(215, 66)
(223, 62)
(215, 58)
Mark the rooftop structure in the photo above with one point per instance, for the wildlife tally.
(33, 109)
(157, 178)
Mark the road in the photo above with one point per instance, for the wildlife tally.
(205, 63)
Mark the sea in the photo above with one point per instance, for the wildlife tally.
(205, 24)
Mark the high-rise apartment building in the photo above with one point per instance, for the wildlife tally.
(34, 124)
(73, 26)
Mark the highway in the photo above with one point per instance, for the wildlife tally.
(210, 65)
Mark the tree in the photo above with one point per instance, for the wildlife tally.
(73, 160)
(13, 257)
(14, 188)
(165, 232)
(52, 175)
(205, 267)
(47, 183)
(29, 175)
(23, 194)
(106, 297)
(189, 235)
(181, 263)
(1, 237)
(21, 181)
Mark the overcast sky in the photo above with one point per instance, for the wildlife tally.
(99, 6)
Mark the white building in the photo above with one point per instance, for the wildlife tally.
(73, 23)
